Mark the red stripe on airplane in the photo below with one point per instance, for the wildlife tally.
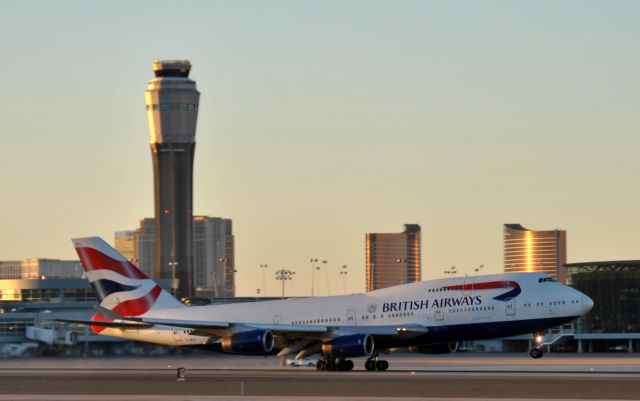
(138, 306)
(93, 259)
(489, 285)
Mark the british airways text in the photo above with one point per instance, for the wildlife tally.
(436, 303)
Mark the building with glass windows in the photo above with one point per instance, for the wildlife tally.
(213, 256)
(28, 308)
(126, 243)
(146, 246)
(28, 303)
(614, 322)
(393, 258)
(40, 268)
(534, 251)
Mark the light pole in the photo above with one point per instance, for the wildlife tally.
(173, 265)
(452, 270)
(284, 275)
(343, 273)
(326, 276)
(313, 274)
(263, 267)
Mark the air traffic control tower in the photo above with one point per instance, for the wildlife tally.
(172, 110)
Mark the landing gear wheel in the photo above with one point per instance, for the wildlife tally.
(370, 365)
(340, 365)
(536, 353)
(382, 365)
(320, 365)
(330, 366)
(348, 365)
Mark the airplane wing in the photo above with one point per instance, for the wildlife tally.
(113, 324)
(288, 331)
(225, 328)
(188, 324)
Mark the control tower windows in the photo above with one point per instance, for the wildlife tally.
(173, 106)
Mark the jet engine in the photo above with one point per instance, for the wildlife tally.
(248, 342)
(435, 349)
(349, 346)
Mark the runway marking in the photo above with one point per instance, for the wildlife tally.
(94, 397)
(344, 387)
(352, 374)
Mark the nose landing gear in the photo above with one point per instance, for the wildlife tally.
(537, 352)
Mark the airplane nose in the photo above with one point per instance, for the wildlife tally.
(586, 304)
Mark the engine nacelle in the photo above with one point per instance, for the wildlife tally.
(349, 346)
(435, 349)
(248, 342)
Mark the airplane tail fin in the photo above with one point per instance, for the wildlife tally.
(118, 284)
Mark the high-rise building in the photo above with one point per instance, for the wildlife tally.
(172, 109)
(213, 253)
(125, 242)
(393, 258)
(535, 251)
(146, 246)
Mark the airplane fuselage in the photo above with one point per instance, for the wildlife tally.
(451, 309)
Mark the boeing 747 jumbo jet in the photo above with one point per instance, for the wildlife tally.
(428, 317)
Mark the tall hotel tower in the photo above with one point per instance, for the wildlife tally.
(393, 258)
(535, 251)
(172, 110)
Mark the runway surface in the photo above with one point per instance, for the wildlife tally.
(448, 377)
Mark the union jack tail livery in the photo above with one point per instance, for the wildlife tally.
(118, 284)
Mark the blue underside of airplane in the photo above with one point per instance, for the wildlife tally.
(473, 331)
(455, 332)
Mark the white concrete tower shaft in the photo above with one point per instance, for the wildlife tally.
(172, 110)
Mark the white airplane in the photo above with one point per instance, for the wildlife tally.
(428, 317)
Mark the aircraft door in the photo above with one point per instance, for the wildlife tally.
(351, 317)
(439, 316)
(510, 308)
(277, 319)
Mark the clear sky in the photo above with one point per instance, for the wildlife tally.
(322, 120)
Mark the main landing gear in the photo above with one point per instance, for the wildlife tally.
(338, 364)
(374, 363)
(345, 365)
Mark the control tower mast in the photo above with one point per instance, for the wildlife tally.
(172, 110)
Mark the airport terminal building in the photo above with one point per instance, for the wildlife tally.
(49, 289)
(614, 322)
